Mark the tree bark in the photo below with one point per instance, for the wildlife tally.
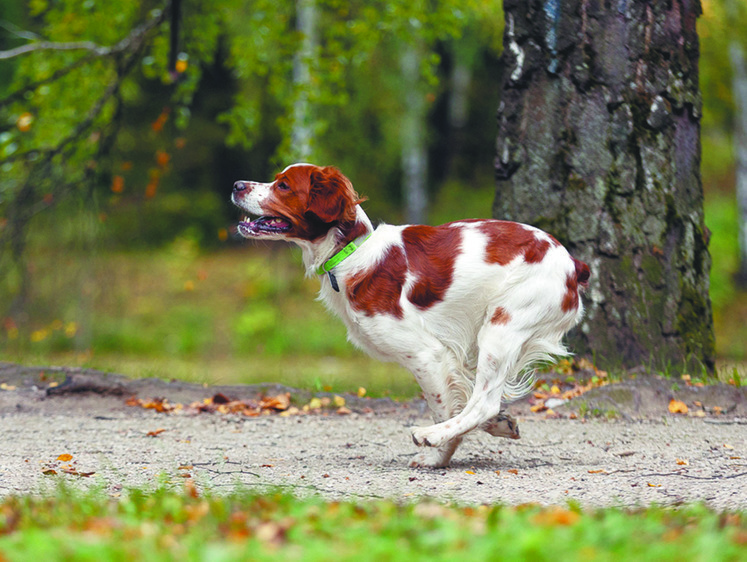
(599, 144)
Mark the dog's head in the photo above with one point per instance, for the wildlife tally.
(304, 203)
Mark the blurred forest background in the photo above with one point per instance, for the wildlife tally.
(123, 128)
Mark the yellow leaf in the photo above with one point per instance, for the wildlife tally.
(555, 389)
(727, 446)
(469, 471)
(315, 403)
(654, 485)
(683, 462)
(677, 406)
(65, 457)
(361, 392)
(338, 401)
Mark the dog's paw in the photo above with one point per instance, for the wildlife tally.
(428, 437)
(430, 458)
(502, 425)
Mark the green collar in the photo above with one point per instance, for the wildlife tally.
(342, 255)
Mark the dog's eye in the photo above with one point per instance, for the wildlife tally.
(282, 186)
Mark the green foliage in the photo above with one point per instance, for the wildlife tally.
(162, 524)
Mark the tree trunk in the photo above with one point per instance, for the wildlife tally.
(599, 144)
(301, 135)
(739, 88)
(414, 150)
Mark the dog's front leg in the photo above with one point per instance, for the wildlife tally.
(437, 457)
(434, 368)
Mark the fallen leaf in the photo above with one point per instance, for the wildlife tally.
(555, 516)
(191, 489)
(361, 392)
(338, 401)
(727, 446)
(343, 411)
(683, 462)
(513, 471)
(156, 432)
(654, 485)
(469, 471)
(279, 402)
(599, 471)
(220, 398)
(314, 403)
(677, 407)
(65, 457)
(49, 472)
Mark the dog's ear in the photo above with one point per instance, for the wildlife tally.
(331, 196)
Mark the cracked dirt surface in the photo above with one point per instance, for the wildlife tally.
(645, 455)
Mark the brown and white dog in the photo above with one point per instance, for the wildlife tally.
(467, 307)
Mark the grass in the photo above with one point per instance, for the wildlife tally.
(164, 524)
(235, 316)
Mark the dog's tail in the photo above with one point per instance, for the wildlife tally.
(582, 273)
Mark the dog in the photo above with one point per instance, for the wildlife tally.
(467, 307)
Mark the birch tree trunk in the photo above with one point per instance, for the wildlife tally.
(739, 90)
(306, 25)
(414, 148)
(599, 144)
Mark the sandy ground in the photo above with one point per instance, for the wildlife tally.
(644, 455)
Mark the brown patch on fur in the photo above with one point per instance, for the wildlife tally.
(431, 252)
(570, 298)
(572, 282)
(507, 240)
(378, 289)
(500, 316)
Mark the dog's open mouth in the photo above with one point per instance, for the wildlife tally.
(263, 225)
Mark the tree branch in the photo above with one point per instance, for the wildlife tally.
(132, 42)
(53, 46)
(96, 50)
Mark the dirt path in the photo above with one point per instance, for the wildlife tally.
(645, 455)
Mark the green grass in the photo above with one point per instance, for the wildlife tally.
(235, 316)
(163, 524)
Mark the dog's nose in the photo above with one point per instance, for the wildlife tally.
(239, 186)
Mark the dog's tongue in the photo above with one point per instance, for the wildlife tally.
(274, 222)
